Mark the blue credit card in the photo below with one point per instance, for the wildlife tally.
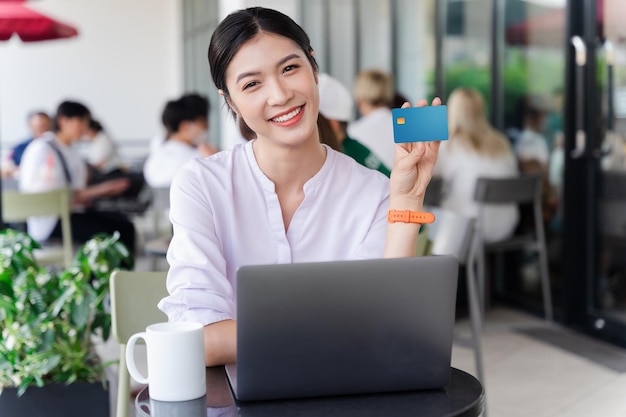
(418, 124)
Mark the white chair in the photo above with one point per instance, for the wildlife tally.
(18, 207)
(453, 234)
(524, 190)
(134, 299)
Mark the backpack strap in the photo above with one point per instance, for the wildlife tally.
(66, 171)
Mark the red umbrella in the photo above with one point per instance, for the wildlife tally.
(29, 25)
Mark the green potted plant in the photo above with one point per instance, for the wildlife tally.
(48, 365)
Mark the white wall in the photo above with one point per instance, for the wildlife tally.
(124, 64)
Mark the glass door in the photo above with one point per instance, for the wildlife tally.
(598, 83)
(532, 62)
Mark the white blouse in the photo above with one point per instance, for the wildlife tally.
(225, 213)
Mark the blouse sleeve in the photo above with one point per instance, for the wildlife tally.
(198, 287)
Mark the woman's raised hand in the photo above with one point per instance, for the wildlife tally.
(413, 167)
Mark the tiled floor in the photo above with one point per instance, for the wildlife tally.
(525, 376)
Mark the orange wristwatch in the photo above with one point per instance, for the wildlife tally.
(406, 216)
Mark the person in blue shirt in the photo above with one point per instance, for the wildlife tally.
(39, 123)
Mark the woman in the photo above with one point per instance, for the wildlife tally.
(283, 197)
(475, 150)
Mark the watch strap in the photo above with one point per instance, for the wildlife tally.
(406, 216)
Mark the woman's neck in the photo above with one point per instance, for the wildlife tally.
(178, 137)
(289, 167)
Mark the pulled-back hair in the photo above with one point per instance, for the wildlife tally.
(187, 108)
(243, 25)
(468, 126)
(70, 110)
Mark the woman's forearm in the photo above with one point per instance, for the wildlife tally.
(220, 343)
(401, 238)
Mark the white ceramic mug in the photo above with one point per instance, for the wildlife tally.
(175, 353)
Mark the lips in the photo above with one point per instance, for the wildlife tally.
(289, 118)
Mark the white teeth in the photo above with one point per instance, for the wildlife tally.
(288, 116)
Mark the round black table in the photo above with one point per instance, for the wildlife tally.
(463, 396)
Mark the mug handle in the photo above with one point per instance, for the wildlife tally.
(130, 357)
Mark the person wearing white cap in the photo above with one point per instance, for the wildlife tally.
(336, 106)
(374, 93)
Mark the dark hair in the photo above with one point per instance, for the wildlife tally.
(246, 132)
(327, 134)
(189, 107)
(398, 100)
(70, 110)
(95, 125)
(241, 26)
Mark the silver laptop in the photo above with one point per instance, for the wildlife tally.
(344, 327)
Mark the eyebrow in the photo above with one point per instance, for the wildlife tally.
(278, 64)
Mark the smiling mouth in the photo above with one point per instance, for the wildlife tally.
(286, 117)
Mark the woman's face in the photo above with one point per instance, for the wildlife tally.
(273, 87)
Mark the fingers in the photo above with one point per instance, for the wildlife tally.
(419, 150)
(436, 102)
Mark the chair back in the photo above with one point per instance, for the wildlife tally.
(434, 192)
(134, 299)
(524, 189)
(18, 207)
(451, 234)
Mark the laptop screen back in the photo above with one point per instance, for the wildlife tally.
(344, 327)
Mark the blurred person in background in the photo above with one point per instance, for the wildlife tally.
(38, 122)
(474, 150)
(374, 93)
(51, 163)
(337, 107)
(187, 124)
(531, 148)
(101, 151)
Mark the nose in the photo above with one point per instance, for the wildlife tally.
(279, 93)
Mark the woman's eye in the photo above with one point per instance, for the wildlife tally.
(290, 68)
(250, 85)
